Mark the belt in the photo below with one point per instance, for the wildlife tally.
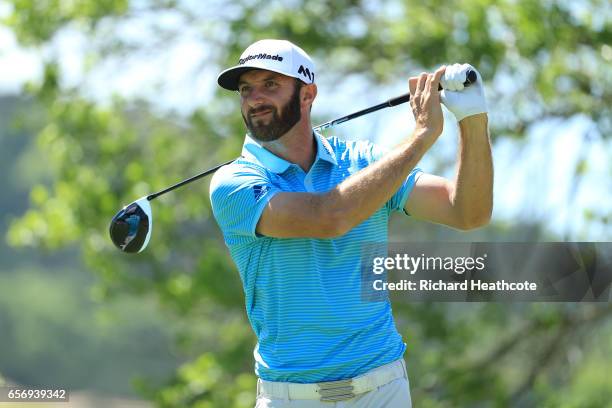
(332, 391)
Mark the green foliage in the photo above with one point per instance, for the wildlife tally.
(205, 383)
(37, 21)
(82, 142)
(53, 334)
(499, 354)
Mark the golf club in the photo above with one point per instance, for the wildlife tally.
(130, 229)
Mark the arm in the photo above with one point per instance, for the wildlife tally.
(292, 215)
(467, 202)
(355, 199)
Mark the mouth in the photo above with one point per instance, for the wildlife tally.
(260, 114)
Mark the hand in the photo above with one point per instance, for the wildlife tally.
(462, 101)
(425, 103)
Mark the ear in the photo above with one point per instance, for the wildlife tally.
(308, 93)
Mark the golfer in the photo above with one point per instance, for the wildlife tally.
(296, 208)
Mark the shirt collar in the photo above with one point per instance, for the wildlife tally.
(251, 149)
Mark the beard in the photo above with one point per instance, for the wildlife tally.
(279, 124)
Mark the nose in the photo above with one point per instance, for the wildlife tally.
(255, 97)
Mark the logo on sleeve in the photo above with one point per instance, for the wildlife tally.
(306, 72)
(259, 191)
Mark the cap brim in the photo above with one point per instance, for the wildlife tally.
(130, 229)
(228, 79)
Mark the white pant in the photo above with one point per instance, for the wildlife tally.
(395, 394)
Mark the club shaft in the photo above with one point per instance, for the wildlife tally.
(189, 180)
(398, 100)
(391, 102)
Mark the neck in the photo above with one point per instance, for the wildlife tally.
(297, 146)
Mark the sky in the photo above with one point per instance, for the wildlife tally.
(532, 180)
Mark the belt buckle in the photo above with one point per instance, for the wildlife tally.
(333, 391)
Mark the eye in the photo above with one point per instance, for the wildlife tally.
(244, 90)
(270, 84)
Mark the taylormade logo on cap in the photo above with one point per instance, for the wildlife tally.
(279, 56)
(260, 56)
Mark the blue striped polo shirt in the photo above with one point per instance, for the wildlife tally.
(303, 295)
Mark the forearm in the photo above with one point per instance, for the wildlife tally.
(359, 196)
(473, 193)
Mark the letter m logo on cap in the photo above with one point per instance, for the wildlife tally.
(306, 72)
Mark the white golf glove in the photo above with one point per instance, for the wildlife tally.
(460, 100)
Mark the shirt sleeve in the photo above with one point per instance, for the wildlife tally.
(397, 202)
(238, 195)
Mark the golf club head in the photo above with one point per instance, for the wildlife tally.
(130, 229)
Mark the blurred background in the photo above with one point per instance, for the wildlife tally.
(104, 101)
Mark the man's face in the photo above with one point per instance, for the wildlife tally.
(270, 104)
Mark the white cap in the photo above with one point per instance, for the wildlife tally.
(279, 56)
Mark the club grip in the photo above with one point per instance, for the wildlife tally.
(398, 100)
(471, 77)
